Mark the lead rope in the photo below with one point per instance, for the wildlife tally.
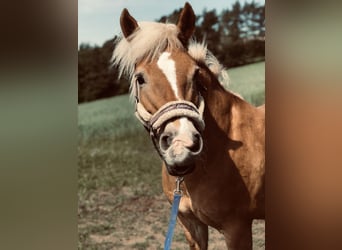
(177, 195)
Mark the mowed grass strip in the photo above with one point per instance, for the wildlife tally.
(119, 172)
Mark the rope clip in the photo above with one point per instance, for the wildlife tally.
(179, 180)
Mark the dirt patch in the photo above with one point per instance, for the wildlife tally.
(122, 219)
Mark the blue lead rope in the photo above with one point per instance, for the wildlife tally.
(174, 211)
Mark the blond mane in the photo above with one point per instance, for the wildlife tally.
(150, 40)
(200, 53)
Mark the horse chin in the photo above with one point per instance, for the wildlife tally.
(182, 165)
(180, 170)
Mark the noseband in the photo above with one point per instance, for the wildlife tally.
(171, 110)
(167, 112)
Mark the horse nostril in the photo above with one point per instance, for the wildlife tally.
(197, 144)
(165, 141)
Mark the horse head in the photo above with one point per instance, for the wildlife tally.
(165, 86)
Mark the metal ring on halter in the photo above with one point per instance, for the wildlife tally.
(179, 180)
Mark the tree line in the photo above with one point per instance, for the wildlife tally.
(236, 36)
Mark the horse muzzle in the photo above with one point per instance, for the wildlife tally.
(180, 145)
(175, 130)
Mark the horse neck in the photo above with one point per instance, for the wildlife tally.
(219, 103)
(217, 139)
(227, 117)
(215, 162)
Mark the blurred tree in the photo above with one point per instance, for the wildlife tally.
(234, 21)
(253, 20)
(209, 30)
(96, 78)
(242, 34)
(172, 18)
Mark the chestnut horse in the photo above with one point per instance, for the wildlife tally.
(208, 135)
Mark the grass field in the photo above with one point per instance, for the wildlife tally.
(121, 205)
(249, 81)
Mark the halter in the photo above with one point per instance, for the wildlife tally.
(170, 110)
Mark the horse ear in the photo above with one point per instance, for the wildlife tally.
(186, 24)
(128, 23)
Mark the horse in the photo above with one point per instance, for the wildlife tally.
(204, 133)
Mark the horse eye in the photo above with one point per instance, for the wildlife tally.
(196, 76)
(140, 79)
(197, 80)
(196, 73)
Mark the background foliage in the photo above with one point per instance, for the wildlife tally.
(235, 36)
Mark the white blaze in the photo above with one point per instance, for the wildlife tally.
(185, 126)
(167, 66)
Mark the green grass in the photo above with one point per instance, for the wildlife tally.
(119, 174)
(249, 81)
(108, 117)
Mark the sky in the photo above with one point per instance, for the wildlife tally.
(98, 20)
